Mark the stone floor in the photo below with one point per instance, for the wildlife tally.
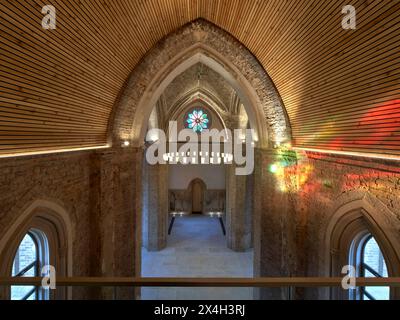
(197, 248)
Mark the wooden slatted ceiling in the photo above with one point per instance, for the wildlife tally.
(341, 88)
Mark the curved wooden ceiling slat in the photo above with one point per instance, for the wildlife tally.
(341, 88)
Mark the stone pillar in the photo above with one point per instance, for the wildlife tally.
(238, 217)
(101, 219)
(113, 217)
(274, 226)
(239, 211)
(155, 206)
(127, 183)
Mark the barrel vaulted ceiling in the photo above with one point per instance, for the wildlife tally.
(341, 88)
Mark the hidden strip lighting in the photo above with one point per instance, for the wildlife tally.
(52, 151)
(351, 153)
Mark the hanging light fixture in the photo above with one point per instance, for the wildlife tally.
(214, 158)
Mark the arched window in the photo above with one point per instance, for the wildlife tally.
(31, 256)
(370, 264)
(373, 265)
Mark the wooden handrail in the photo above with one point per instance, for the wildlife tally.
(200, 282)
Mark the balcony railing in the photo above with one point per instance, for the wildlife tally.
(305, 282)
(288, 283)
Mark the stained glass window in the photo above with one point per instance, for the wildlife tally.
(197, 120)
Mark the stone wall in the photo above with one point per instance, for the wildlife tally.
(180, 176)
(97, 190)
(63, 178)
(181, 200)
(101, 191)
(297, 203)
(332, 182)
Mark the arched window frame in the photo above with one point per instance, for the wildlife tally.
(358, 214)
(42, 258)
(356, 259)
(54, 222)
(363, 267)
(34, 265)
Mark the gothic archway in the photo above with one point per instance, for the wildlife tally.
(50, 219)
(197, 189)
(200, 41)
(356, 215)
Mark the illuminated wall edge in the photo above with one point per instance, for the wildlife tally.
(34, 153)
(349, 153)
(345, 153)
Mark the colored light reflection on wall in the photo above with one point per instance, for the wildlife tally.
(275, 168)
(291, 174)
(375, 129)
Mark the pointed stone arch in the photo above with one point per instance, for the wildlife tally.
(197, 42)
(200, 42)
(52, 220)
(201, 95)
(355, 215)
(192, 188)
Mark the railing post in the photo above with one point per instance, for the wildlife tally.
(290, 291)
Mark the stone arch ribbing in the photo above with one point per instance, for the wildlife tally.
(358, 212)
(200, 41)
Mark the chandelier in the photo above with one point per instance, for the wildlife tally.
(194, 157)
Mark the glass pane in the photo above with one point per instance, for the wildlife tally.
(19, 292)
(384, 272)
(32, 296)
(373, 257)
(369, 274)
(197, 120)
(379, 293)
(25, 255)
